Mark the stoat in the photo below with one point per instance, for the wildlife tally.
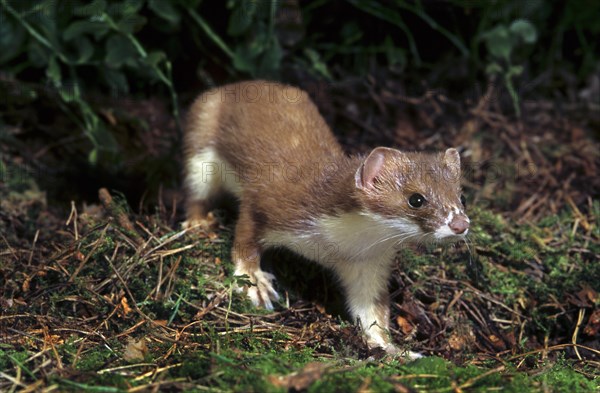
(267, 144)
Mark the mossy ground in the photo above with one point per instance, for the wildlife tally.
(95, 311)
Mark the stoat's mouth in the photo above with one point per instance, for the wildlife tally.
(446, 233)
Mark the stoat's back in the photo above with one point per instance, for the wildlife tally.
(261, 123)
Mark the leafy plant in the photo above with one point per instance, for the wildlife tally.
(393, 15)
(252, 25)
(65, 38)
(65, 42)
(359, 46)
(501, 42)
(74, 46)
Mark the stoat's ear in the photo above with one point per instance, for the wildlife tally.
(452, 162)
(372, 166)
(452, 158)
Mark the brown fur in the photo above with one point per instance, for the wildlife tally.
(282, 149)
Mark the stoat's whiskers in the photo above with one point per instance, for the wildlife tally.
(467, 240)
(395, 239)
(409, 236)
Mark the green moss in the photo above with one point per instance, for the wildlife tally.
(433, 373)
(357, 375)
(531, 261)
(485, 221)
(562, 378)
(412, 260)
(94, 359)
(11, 358)
(194, 367)
(242, 369)
(98, 383)
(257, 367)
(509, 285)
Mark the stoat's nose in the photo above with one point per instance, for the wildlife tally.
(459, 225)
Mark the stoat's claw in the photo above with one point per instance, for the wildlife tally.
(262, 292)
(396, 352)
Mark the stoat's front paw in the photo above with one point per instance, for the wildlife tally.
(396, 352)
(261, 293)
(376, 339)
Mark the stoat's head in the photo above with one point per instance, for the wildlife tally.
(414, 193)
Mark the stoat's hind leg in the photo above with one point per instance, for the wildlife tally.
(202, 182)
(198, 218)
(246, 256)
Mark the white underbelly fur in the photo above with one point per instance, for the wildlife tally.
(208, 173)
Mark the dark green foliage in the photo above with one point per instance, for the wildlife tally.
(500, 43)
(76, 47)
(66, 40)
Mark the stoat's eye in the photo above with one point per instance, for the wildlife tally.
(463, 200)
(416, 200)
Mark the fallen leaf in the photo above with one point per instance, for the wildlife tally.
(320, 308)
(404, 325)
(79, 256)
(584, 298)
(302, 379)
(135, 349)
(125, 307)
(497, 342)
(456, 341)
(593, 326)
(26, 283)
(588, 293)
(53, 339)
